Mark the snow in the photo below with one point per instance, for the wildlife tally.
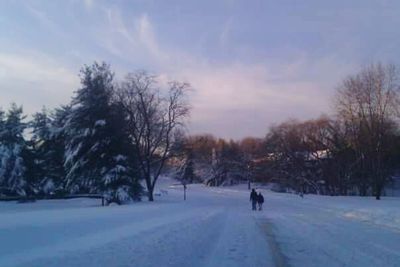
(214, 227)
(120, 158)
(12, 167)
(318, 231)
(99, 123)
(87, 132)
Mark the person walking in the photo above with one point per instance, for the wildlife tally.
(260, 200)
(253, 199)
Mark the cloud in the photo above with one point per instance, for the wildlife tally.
(232, 98)
(45, 21)
(32, 69)
(146, 35)
(133, 38)
(117, 24)
(242, 100)
(34, 81)
(253, 95)
(224, 35)
(89, 4)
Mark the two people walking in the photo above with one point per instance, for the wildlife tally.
(256, 199)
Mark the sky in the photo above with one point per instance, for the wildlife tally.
(251, 64)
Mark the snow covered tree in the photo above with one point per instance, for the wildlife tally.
(2, 122)
(57, 171)
(202, 147)
(12, 146)
(228, 164)
(185, 168)
(48, 146)
(188, 170)
(40, 146)
(213, 161)
(97, 155)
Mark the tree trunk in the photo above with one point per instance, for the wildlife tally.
(378, 192)
(363, 190)
(150, 188)
(151, 198)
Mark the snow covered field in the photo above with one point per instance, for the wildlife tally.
(214, 227)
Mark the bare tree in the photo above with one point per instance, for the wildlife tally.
(368, 104)
(306, 155)
(288, 149)
(154, 118)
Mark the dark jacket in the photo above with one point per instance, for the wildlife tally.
(253, 196)
(260, 198)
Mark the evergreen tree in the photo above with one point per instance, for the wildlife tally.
(120, 173)
(58, 137)
(97, 158)
(39, 146)
(228, 165)
(2, 122)
(12, 147)
(186, 171)
(48, 145)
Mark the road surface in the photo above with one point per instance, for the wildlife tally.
(214, 227)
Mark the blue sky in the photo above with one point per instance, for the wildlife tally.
(251, 63)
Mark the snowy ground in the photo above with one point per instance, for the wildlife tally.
(214, 227)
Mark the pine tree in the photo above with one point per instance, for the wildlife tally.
(97, 147)
(48, 146)
(12, 148)
(39, 147)
(120, 173)
(2, 122)
(186, 171)
(3, 158)
(58, 139)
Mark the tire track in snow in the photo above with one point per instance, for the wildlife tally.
(172, 245)
(95, 240)
(280, 260)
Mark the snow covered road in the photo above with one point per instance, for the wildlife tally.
(317, 231)
(214, 227)
(207, 230)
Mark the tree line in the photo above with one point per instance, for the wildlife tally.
(108, 139)
(356, 150)
(117, 137)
